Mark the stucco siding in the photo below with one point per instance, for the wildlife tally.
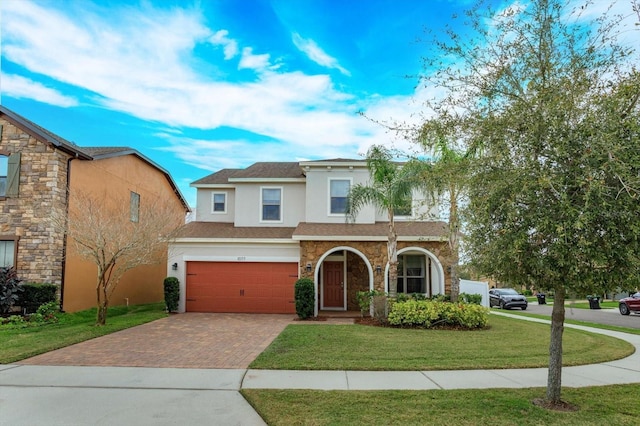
(248, 208)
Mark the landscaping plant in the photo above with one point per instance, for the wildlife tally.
(171, 293)
(304, 297)
(9, 289)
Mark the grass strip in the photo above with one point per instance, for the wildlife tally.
(506, 344)
(610, 405)
(583, 323)
(22, 343)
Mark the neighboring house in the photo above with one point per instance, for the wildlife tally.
(37, 172)
(259, 229)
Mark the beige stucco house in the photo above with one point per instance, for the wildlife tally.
(259, 229)
(38, 172)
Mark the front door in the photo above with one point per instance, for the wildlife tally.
(333, 279)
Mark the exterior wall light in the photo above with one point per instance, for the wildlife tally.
(309, 267)
(378, 269)
(174, 266)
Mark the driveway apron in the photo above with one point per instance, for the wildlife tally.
(190, 340)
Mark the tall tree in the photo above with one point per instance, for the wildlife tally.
(116, 236)
(550, 102)
(389, 190)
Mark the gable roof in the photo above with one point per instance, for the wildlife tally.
(44, 135)
(262, 170)
(86, 153)
(407, 231)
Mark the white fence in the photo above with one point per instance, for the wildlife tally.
(476, 287)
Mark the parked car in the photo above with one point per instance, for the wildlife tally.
(628, 304)
(507, 298)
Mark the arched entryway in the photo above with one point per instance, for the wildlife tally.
(339, 274)
(419, 271)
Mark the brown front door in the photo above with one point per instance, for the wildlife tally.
(333, 294)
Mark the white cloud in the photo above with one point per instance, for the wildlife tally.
(316, 54)
(254, 62)
(19, 87)
(230, 46)
(138, 62)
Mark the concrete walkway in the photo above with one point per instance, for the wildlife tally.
(80, 395)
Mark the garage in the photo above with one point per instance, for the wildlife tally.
(241, 287)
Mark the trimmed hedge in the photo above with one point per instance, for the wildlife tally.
(37, 294)
(305, 298)
(427, 314)
(171, 293)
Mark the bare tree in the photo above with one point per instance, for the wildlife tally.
(116, 236)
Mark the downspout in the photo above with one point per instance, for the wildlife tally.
(64, 236)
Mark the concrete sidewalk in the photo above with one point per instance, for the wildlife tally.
(69, 395)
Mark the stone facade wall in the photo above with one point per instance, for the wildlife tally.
(43, 187)
(357, 272)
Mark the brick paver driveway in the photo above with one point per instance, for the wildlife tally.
(180, 341)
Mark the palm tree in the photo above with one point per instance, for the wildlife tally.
(445, 175)
(389, 190)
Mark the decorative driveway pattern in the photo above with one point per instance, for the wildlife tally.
(190, 340)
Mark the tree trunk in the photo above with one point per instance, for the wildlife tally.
(554, 381)
(101, 318)
(392, 252)
(455, 281)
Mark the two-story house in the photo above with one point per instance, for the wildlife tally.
(39, 173)
(259, 229)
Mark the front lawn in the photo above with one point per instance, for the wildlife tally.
(508, 343)
(21, 343)
(605, 405)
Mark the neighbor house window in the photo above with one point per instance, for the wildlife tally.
(338, 193)
(7, 253)
(134, 207)
(219, 202)
(271, 204)
(9, 174)
(411, 274)
(4, 165)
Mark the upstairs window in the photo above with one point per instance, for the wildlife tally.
(219, 202)
(404, 209)
(4, 166)
(338, 193)
(271, 204)
(9, 174)
(134, 207)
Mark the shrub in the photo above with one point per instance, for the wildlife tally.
(475, 299)
(9, 289)
(305, 298)
(35, 295)
(427, 313)
(365, 298)
(171, 293)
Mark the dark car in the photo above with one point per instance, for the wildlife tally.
(628, 304)
(507, 298)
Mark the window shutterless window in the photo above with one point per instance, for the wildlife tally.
(7, 253)
(271, 204)
(404, 209)
(219, 202)
(338, 193)
(411, 274)
(134, 207)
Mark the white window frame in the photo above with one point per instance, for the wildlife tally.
(329, 212)
(404, 216)
(260, 209)
(403, 274)
(213, 202)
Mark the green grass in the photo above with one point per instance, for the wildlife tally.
(583, 323)
(21, 343)
(606, 405)
(508, 343)
(585, 305)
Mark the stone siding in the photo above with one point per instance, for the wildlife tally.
(42, 188)
(357, 272)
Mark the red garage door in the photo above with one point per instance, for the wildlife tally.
(241, 287)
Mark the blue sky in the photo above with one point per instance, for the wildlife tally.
(197, 86)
